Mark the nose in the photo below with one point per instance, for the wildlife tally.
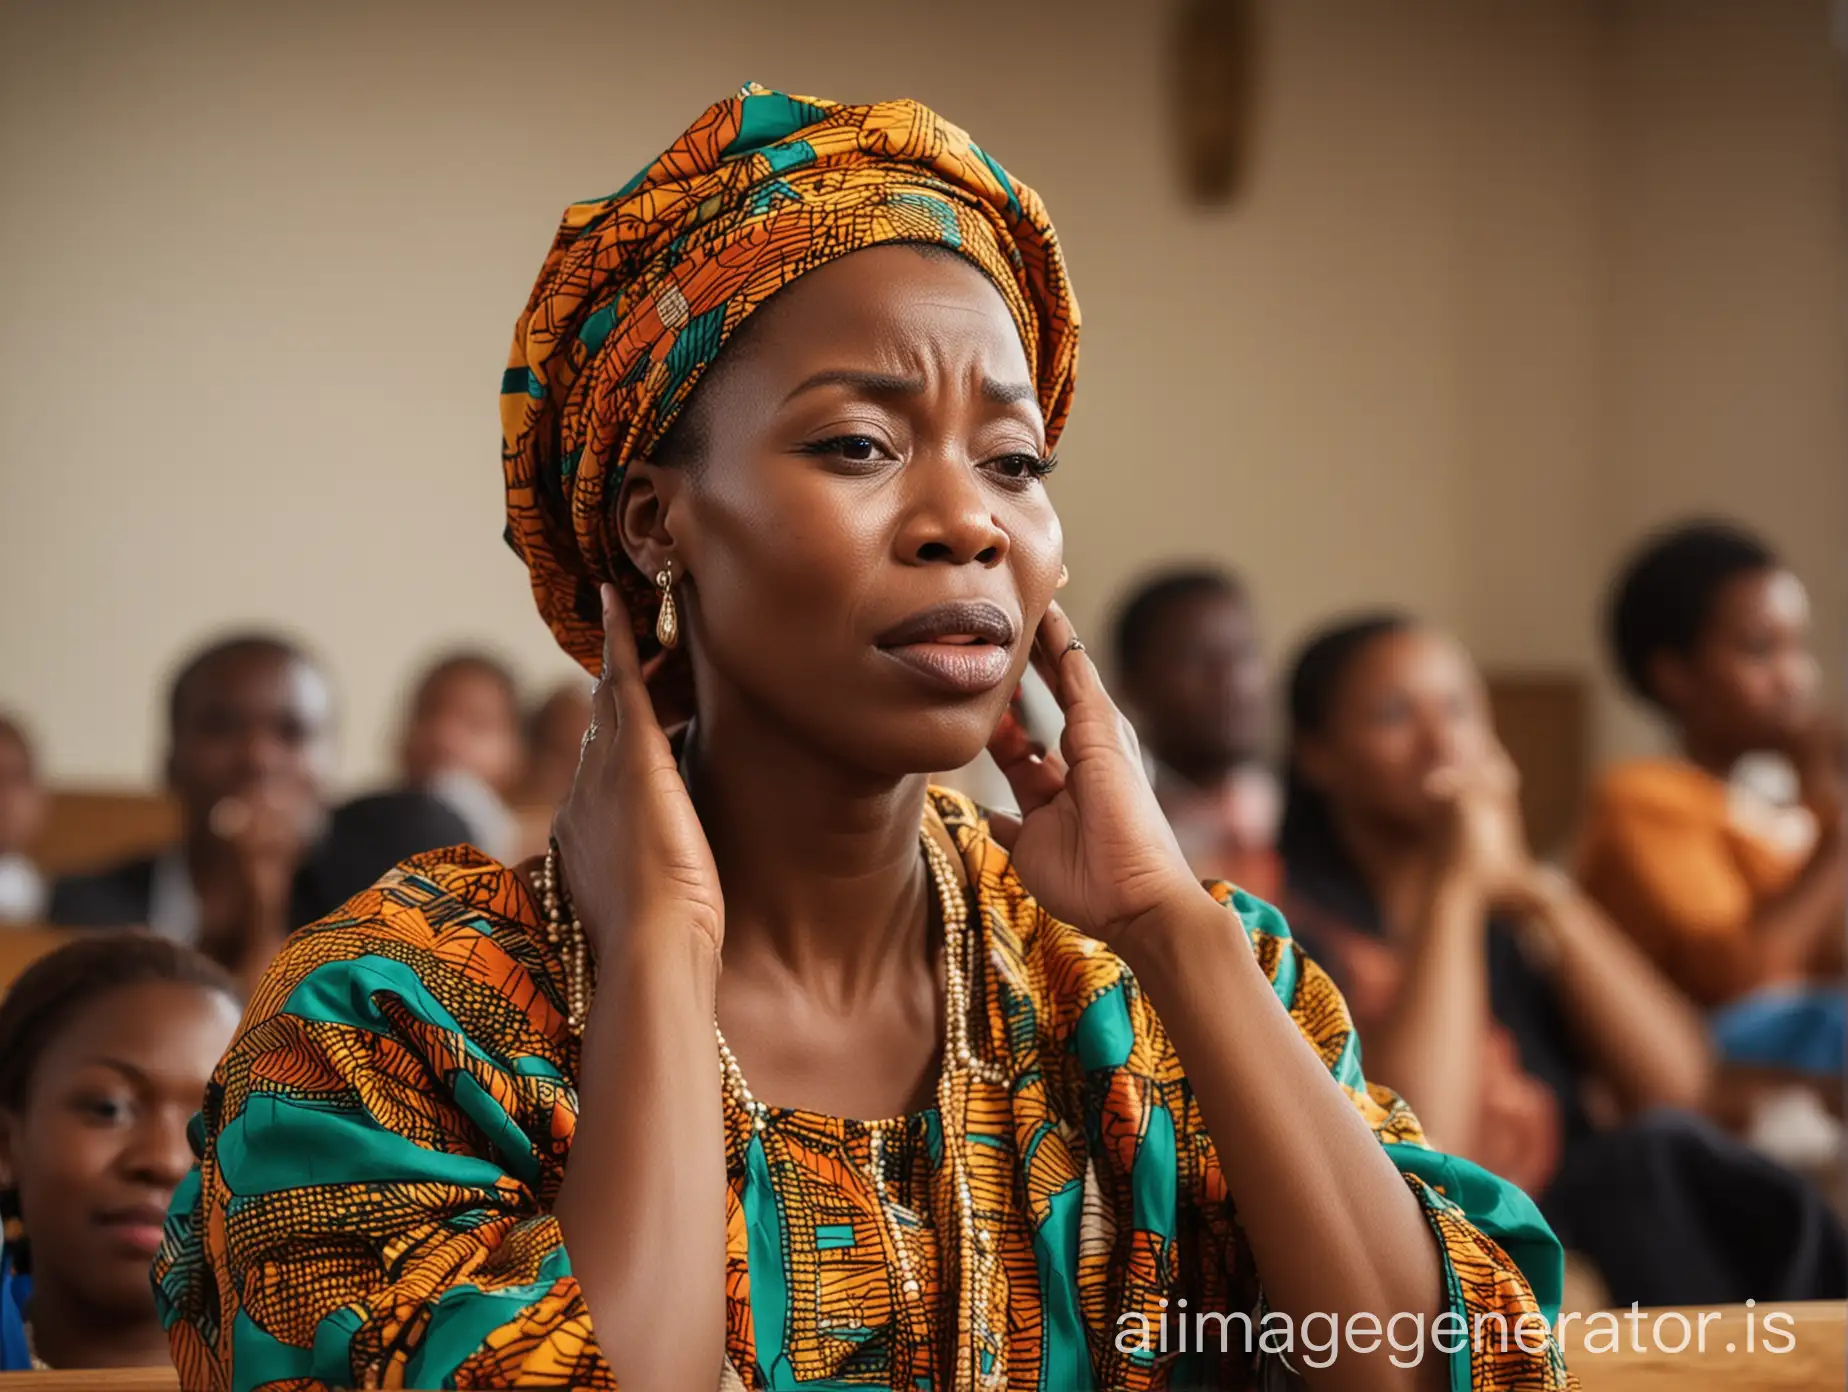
(949, 520)
(158, 1153)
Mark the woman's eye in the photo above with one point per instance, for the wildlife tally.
(104, 1111)
(850, 449)
(1021, 467)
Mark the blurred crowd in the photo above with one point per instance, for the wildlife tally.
(1647, 1035)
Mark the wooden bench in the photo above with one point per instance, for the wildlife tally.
(88, 828)
(1813, 1362)
(20, 947)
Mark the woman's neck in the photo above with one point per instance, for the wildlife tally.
(66, 1333)
(820, 866)
(1717, 757)
(1395, 865)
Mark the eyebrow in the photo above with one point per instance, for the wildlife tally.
(122, 1066)
(884, 384)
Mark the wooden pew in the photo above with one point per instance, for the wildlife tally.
(88, 828)
(1814, 1361)
(1808, 1353)
(20, 947)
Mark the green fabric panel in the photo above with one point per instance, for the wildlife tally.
(794, 155)
(1065, 1356)
(279, 1143)
(994, 167)
(696, 346)
(464, 1316)
(763, 1226)
(1260, 917)
(1103, 1036)
(503, 1133)
(1499, 1211)
(332, 1360)
(765, 118)
(1153, 1179)
(259, 1357)
(832, 1237)
(341, 993)
(936, 209)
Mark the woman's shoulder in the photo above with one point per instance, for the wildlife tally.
(449, 935)
(1657, 789)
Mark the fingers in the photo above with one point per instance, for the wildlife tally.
(622, 668)
(1035, 776)
(1067, 668)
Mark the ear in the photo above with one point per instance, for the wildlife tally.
(645, 516)
(1671, 680)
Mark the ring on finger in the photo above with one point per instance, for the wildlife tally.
(1076, 645)
(590, 733)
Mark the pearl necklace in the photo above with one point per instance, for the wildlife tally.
(975, 1243)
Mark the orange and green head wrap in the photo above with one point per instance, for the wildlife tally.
(643, 288)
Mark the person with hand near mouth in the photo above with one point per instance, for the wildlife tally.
(975, 1103)
(105, 1049)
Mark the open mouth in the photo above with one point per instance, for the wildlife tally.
(962, 648)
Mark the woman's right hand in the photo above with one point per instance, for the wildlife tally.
(634, 858)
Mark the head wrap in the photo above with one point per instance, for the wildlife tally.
(643, 288)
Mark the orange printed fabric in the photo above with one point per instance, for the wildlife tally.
(382, 1145)
(643, 288)
(1682, 862)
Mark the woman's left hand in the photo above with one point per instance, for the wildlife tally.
(1091, 843)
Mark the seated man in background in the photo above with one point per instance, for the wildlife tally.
(22, 813)
(1194, 680)
(462, 743)
(250, 749)
(554, 736)
(1727, 890)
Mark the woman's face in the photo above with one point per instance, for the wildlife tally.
(1408, 704)
(1752, 679)
(864, 545)
(101, 1144)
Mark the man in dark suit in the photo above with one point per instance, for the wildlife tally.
(250, 745)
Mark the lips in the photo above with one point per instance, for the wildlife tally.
(137, 1229)
(963, 648)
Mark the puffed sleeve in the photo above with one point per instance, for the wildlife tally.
(378, 1151)
(1501, 1261)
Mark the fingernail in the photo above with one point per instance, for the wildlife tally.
(603, 592)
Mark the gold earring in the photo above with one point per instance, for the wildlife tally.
(667, 624)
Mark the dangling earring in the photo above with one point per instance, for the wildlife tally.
(667, 624)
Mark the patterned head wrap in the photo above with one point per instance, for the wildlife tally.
(643, 288)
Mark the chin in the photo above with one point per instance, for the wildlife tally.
(936, 741)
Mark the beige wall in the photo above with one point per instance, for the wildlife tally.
(1507, 282)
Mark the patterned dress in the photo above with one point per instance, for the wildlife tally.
(381, 1146)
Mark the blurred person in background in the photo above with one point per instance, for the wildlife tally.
(1530, 1034)
(554, 739)
(776, 428)
(462, 743)
(22, 814)
(250, 725)
(1731, 892)
(1193, 677)
(106, 1046)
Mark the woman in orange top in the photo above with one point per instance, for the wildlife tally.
(1725, 890)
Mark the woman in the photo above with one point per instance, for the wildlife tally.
(105, 1049)
(1730, 892)
(782, 407)
(1533, 1035)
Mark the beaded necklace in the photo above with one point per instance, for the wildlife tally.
(976, 1245)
